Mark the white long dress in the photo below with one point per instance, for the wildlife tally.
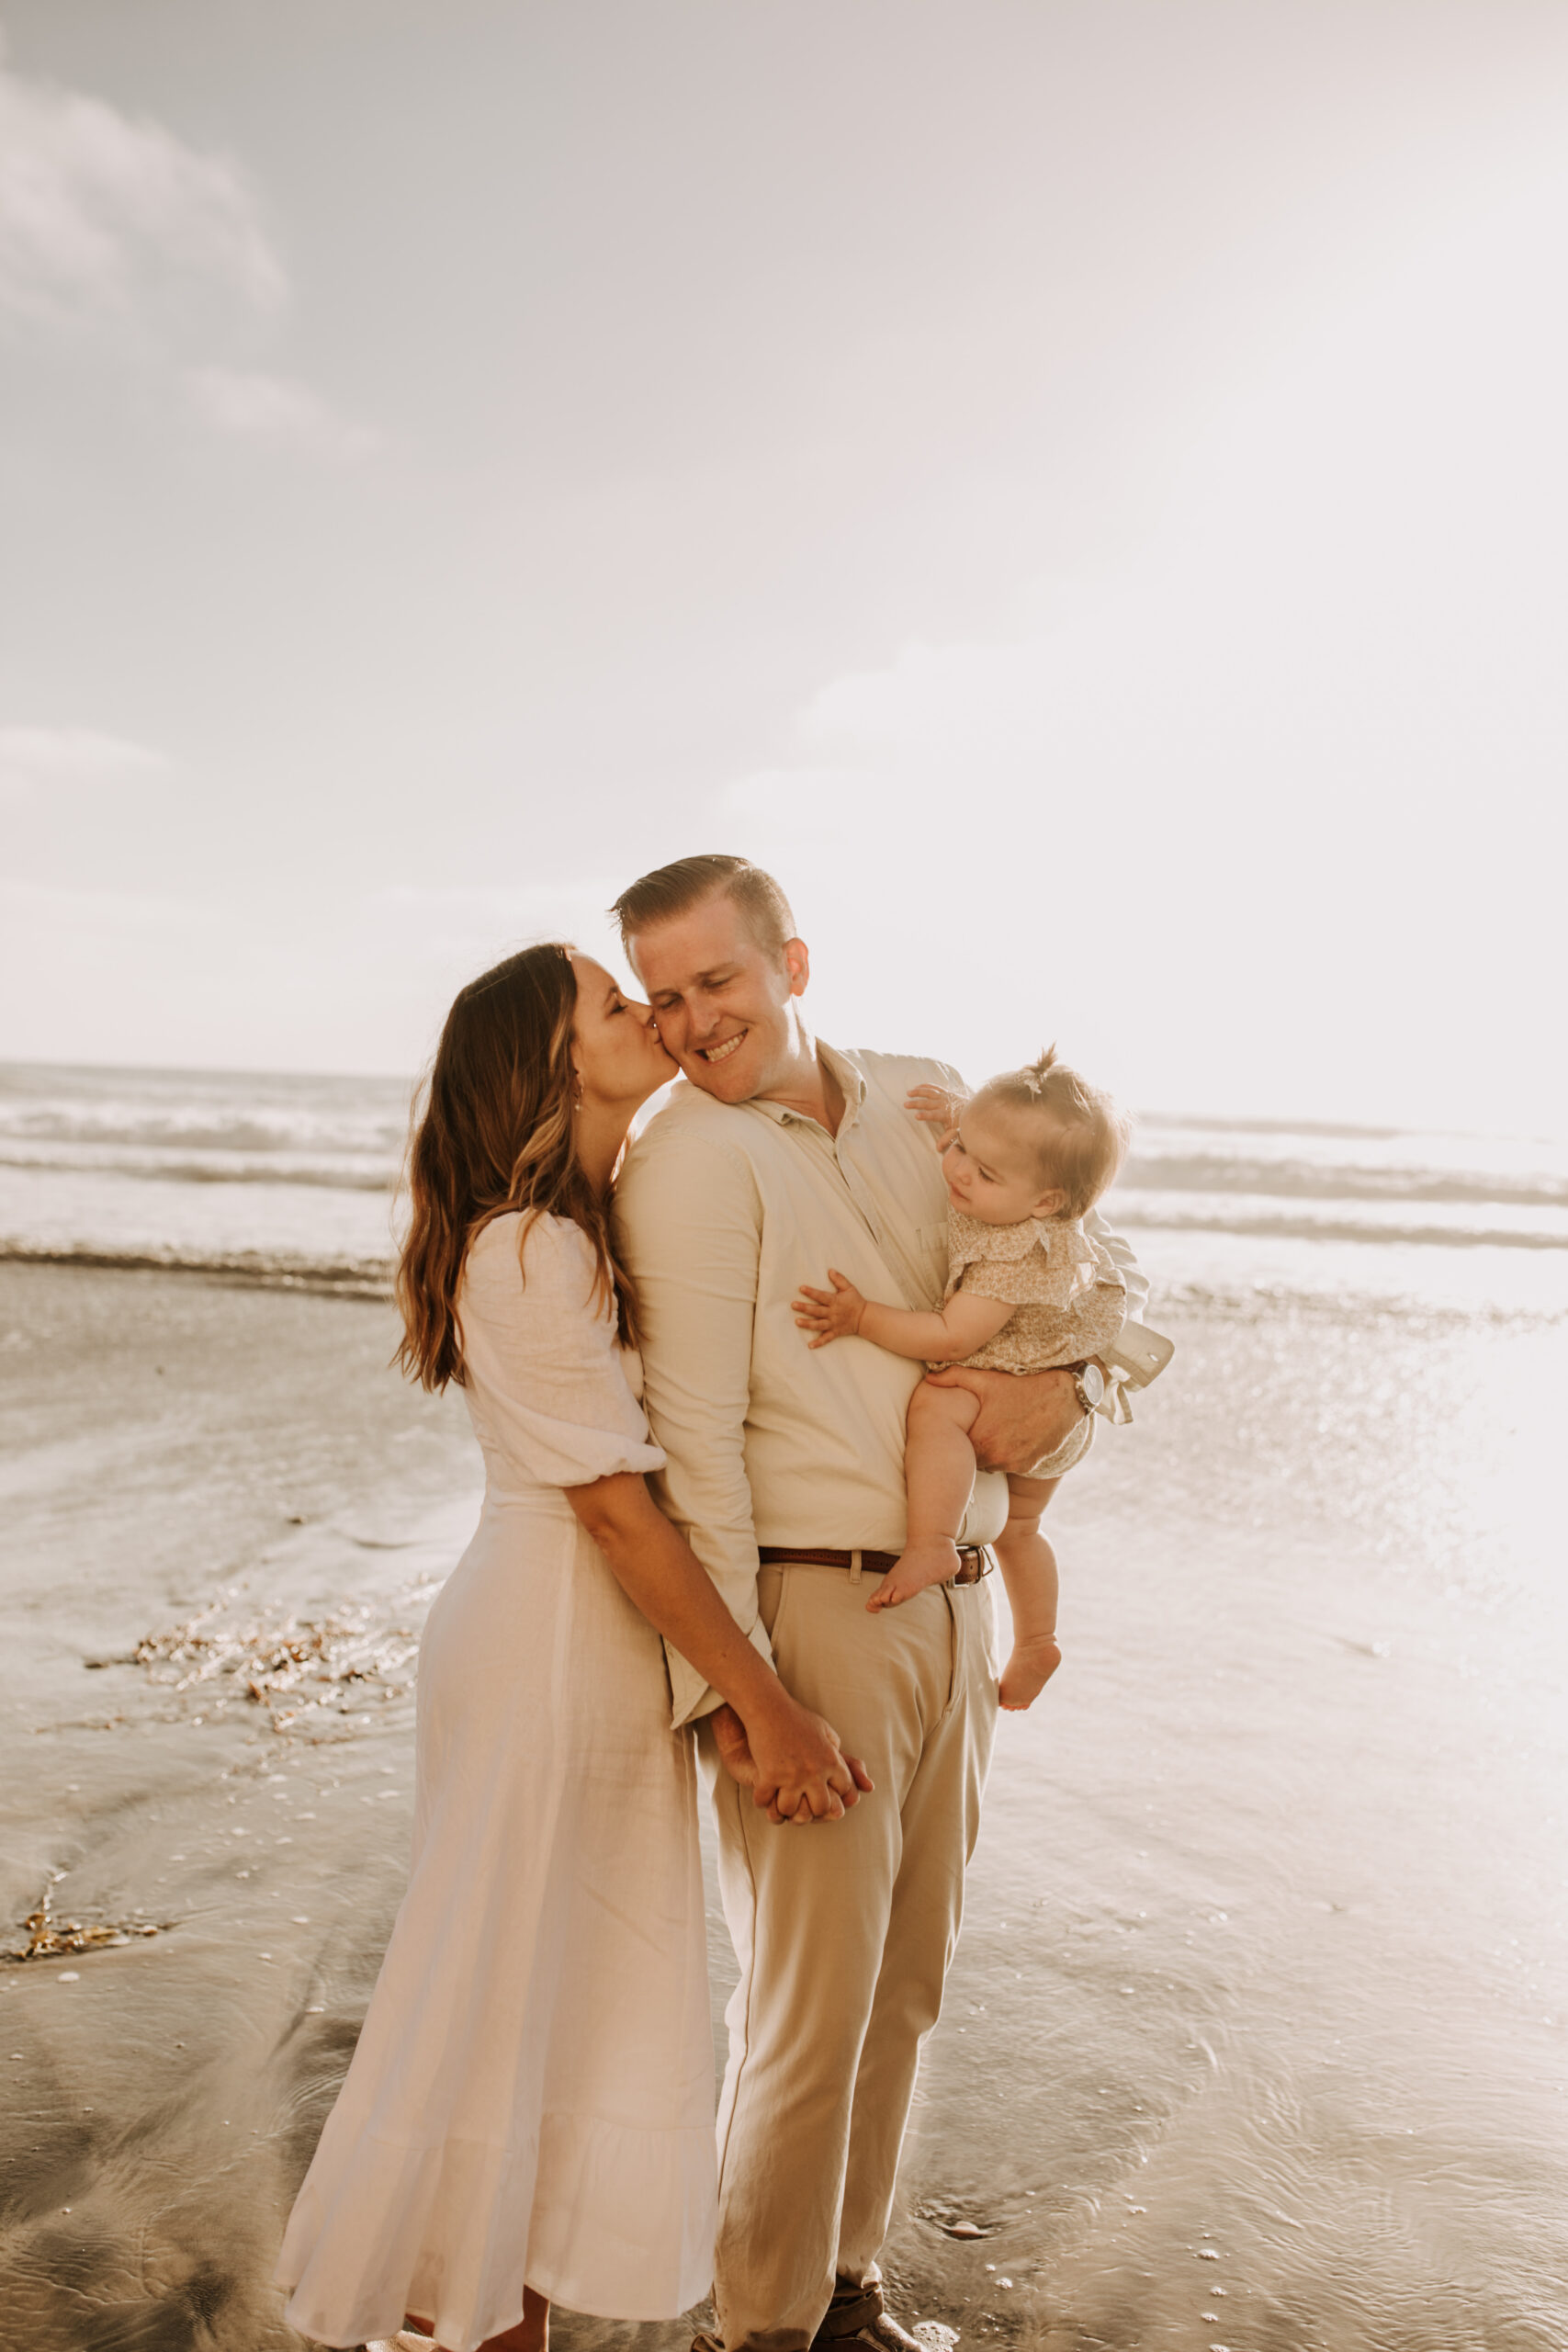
(532, 2094)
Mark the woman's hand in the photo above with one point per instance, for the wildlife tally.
(789, 1757)
(791, 1761)
(830, 1314)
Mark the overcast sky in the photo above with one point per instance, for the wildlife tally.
(1079, 487)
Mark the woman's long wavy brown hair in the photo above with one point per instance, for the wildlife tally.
(492, 1133)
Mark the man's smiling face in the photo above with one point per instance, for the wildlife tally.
(724, 1005)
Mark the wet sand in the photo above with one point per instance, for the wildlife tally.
(1256, 2034)
(172, 1448)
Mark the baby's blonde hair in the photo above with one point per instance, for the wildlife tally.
(1084, 1136)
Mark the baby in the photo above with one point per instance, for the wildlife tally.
(1027, 1290)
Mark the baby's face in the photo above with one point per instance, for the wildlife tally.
(992, 1165)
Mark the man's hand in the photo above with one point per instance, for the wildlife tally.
(1023, 1416)
(830, 1314)
(798, 1772)
(935, 1107)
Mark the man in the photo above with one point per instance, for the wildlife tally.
(780, 1157)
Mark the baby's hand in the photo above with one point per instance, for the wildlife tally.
(830, 1314)
(935, 1107)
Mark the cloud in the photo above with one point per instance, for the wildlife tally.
(37, 759)
(250, 405)
(112, 225)
(101, 211)
(1268, 813)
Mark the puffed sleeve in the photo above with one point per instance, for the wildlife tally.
(1038, 1264)
(1011, 1281)
(545, 1375)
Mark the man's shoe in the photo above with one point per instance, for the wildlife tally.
(857, 2316)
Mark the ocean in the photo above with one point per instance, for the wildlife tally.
(1256, 2035)
(290, 1179)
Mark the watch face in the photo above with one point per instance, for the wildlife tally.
(1092, 1381)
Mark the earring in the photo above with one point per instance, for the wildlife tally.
(576, 1091)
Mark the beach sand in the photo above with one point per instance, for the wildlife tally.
(1256, 2035)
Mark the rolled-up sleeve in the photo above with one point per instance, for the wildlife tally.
(689, 1222)
(545, 1371)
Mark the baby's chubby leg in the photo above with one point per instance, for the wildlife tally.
(1029, 1571)
(939, 1473)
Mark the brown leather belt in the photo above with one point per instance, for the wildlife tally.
(973, 1560)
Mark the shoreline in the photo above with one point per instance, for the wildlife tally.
(352, 1278)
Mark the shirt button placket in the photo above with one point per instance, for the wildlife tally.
(861, 1195)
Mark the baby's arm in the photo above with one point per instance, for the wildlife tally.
(965, 1323)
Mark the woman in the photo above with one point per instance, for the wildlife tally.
(529, 2112)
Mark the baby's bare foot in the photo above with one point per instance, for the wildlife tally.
(1028, 1671)
(922, 1564)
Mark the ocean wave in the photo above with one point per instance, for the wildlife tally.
(180, 1112)
(369, 1172)
(195, 1128)
(1333, 1229)
(1247, 1301)
(268, 1270)
(1301, 1179)
(372, 1276)
(245, 1132)
(361, 1173)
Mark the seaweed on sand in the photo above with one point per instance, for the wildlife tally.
(306, 1661)
(52, 1938)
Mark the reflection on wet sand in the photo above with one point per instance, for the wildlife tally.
(1255, 2035)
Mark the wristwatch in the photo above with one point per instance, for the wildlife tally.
(1088, 1383)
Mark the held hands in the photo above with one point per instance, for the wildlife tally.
(792, 1763)
(830, 1314)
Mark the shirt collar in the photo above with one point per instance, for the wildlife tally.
(850, 1083)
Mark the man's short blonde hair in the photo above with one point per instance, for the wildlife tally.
(672, 890)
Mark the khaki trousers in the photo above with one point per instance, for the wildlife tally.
(843, 1931)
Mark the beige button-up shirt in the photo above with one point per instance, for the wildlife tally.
(723, 1211)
